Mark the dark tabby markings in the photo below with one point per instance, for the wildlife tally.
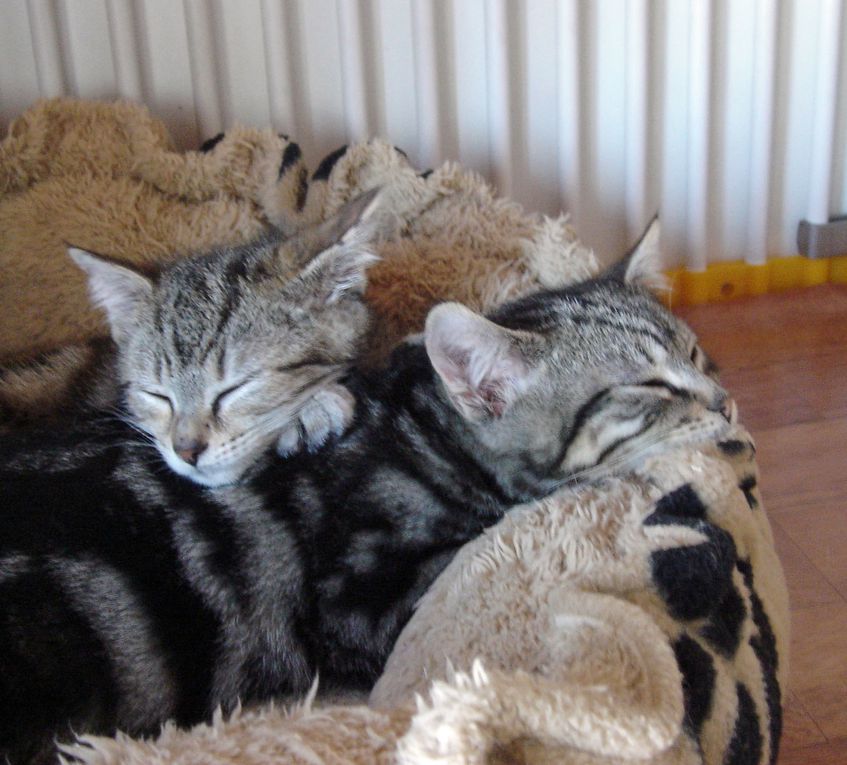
(210, 143)
(764, 645)
(747, 485)
(698, 681)
(571, 431)
(291, 155)
(733, 447)
(31, 679)
(327, 163)
(693, 580)
(619, 327)
(478, 473)
(425, 174)
(724, 628)
(196, 282)
(534, 313)
(745, 748)
(309, 361)
(236, 272)
(682, 502)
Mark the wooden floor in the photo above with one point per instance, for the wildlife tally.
(784, 359)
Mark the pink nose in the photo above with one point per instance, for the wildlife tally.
(190, 452)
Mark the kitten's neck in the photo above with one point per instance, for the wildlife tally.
(498, 481)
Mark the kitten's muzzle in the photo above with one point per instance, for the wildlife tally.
(190, 451)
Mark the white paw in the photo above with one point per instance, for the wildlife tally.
(326, 414)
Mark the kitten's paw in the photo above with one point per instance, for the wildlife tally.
(328, 413)
(288, 442)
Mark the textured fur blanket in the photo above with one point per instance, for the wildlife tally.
(644, 618)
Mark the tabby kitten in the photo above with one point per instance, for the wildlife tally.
(129, 596)
(222, 354)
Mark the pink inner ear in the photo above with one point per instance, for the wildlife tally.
(492, 398)
(491, 394)
(479, 362)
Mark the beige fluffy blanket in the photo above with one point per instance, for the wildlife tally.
(643, 619)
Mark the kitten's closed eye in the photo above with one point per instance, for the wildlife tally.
(225, 395)
(305, 363)
(703, 362)
(158, 399)
(658, 382)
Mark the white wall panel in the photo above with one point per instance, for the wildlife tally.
(167, 67)
(839, 192)
(470, 108)
(395, 46)
(539, 187)
(241, 61)
(674, 207)
(569, 77)
(84, 32)
(798, 108)
(126, 52)
(762, 137)
(728, 116)
(49, 59)
(321, 73)
(19, 73)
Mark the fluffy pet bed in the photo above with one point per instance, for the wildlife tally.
(642, 619)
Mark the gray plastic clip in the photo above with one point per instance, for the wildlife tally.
(822, 240)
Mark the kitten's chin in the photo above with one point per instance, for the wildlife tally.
(212, 478)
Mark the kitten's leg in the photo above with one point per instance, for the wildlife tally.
(328, 413)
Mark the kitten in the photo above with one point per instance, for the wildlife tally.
(58, 383)
(129, 596)
(220, 355)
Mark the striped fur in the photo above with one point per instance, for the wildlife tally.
(220, 355)
(129, 595)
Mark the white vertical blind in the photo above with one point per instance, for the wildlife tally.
(570, 129)
(758, 197)
(639, 198)
(830, 43)
(425, 48)
(729, 117)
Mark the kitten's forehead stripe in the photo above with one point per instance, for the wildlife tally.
(181, 348)
(622, 327)
(598, 304)
(169, 365)
(221, 362)
(158, 322)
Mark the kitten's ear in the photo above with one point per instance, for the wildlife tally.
(484, 367)
(117, 289)
(642, 264)
(343, 249)
(354, 220)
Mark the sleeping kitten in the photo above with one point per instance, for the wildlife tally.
(222, 354)
(129, 596)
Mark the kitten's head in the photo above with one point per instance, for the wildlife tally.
(219, 352)
(579, 382)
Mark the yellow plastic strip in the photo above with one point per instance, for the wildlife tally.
(838, 270)
(728, 280)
